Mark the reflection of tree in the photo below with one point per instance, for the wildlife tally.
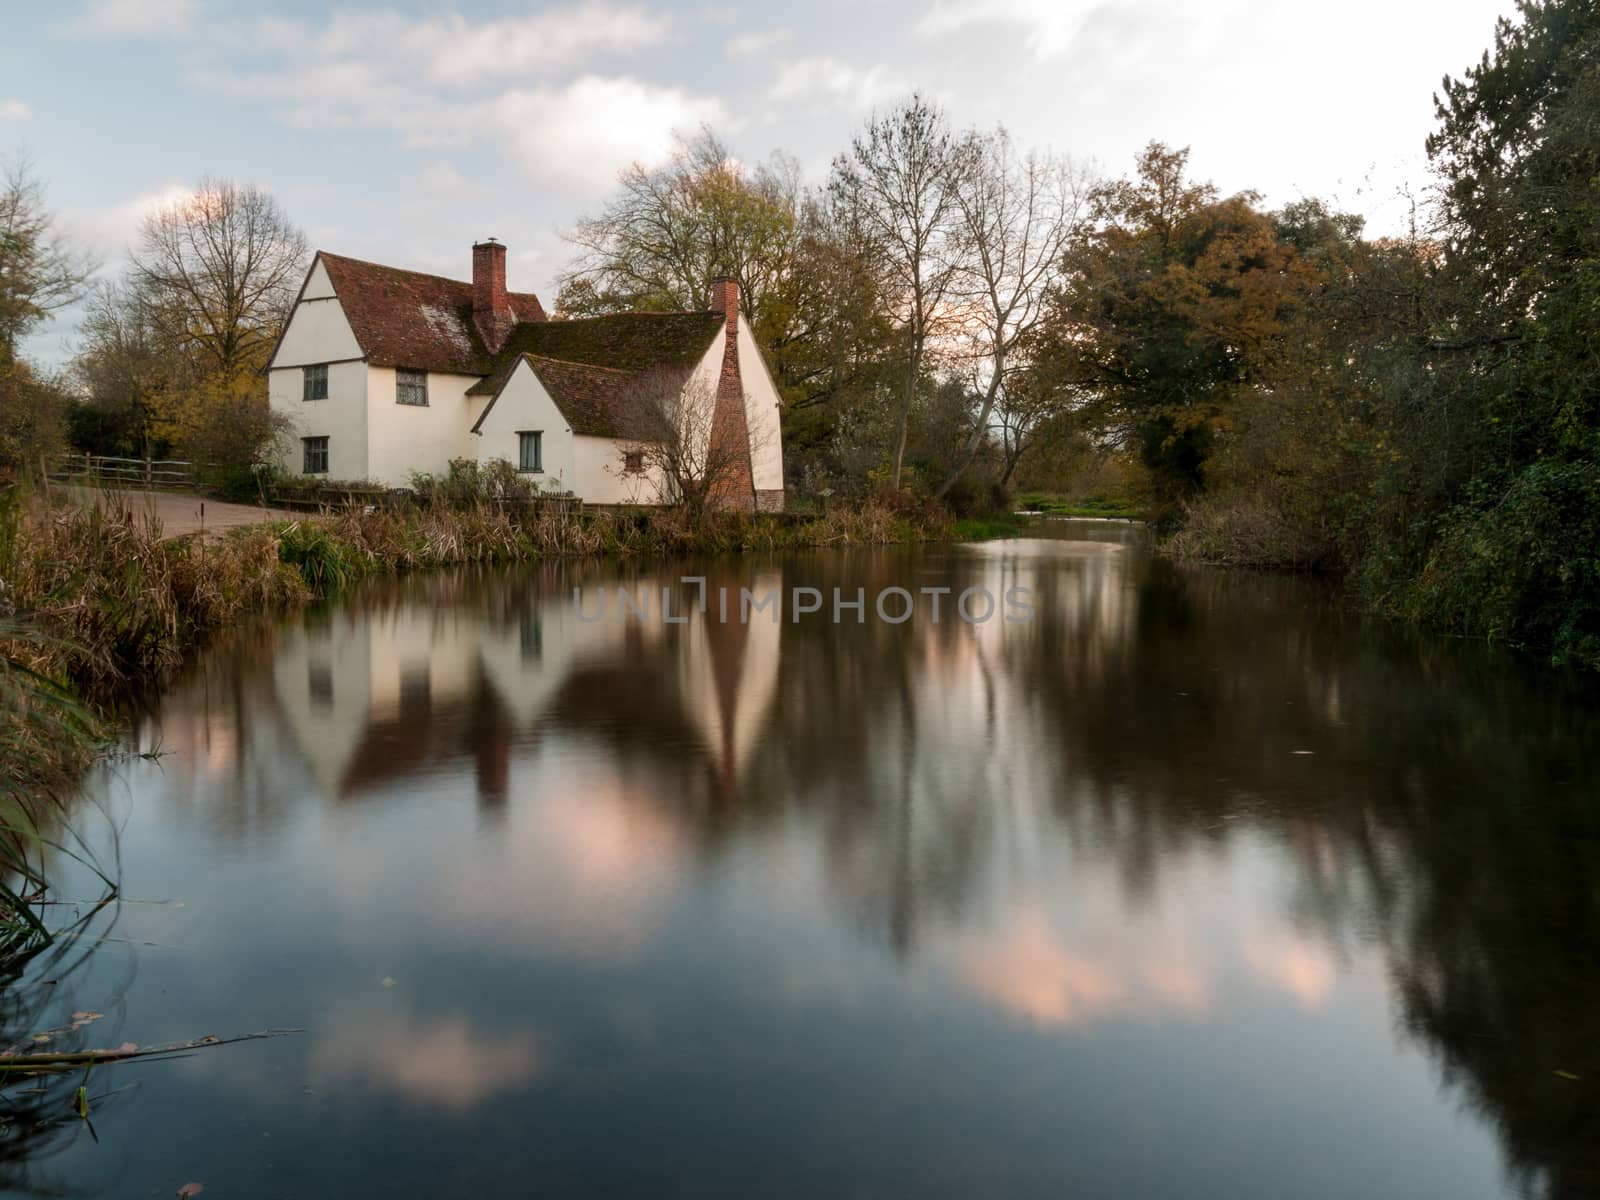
(37, 1121)
(1446, 810)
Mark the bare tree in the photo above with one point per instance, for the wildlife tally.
(122, 366)
(669, 230)
(679, 448)
(221, 268)
(1017, 214)
(39, 272)
(900, 179)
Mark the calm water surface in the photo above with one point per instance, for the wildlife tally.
(1190, 887)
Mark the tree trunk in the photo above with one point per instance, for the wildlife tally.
(905, 421)
(974, 440)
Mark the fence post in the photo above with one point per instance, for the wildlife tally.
(147, 469)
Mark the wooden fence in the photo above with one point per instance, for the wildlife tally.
(158, 473)
(125, 472)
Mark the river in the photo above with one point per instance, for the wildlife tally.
(1158, 883)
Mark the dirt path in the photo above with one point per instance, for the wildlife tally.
(180, 513)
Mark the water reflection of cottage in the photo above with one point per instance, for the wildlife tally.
(374, 694)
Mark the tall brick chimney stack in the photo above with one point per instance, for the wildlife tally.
(730, 431)
(725, 300)
(491, 310)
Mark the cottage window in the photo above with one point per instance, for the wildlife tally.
(532, 637)
(316, 382)
(315, 460)
(633, 462)
(530, 452)
(410, 387)
(319, 678)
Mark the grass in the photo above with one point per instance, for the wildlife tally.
(988, 529)
(119, 605)
(47, 738)
(1054, 505)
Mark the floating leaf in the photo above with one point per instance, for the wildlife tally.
(190, 1189)
(389, 982)
(83, 1018)
(1568, 1075)
(209, 1038)
(80, 1103)
(1304, 753)
(41, 1037)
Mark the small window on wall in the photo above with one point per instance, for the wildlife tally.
(410, 387)
(530, 452)
(315, 460)
(316, 382)
(633, 462)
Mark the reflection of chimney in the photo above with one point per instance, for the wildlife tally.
(491, 310)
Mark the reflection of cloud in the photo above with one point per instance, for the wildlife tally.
(441, 1061)
(580, 865)
(1180, 984)
(1304, 970)
(1029, 971)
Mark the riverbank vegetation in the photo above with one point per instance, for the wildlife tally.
(951, 318)
(118, 604)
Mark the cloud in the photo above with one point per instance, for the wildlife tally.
(138, 18)
(14, 110)
(828, 79)
(454, 52)
(1048, 26)
(587, 130)
(747, 45)
(108, 232)
(442, 83)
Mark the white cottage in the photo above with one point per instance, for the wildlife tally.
(384, 372)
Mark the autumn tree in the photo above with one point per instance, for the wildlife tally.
(175, 351)
(668, 231)
(219, 269)
(1169, 307)
(39, 271)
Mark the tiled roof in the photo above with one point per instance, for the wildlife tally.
(596, 401)
(594, 366)
(408, 319)
(635, 341)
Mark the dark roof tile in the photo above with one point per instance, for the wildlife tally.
(596, 401)
(408, 319)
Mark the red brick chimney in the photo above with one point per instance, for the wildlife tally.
(735, 489)
(491, 310)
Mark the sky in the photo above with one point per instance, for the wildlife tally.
(402, 132)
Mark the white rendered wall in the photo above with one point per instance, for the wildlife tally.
(762, 413)
(341, 418)
(403, 438)
(318, 332)
(525, 405)
(599, 469)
